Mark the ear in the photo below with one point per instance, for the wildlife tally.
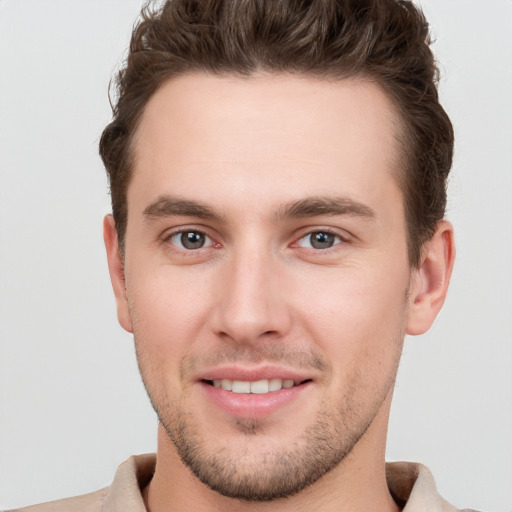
(429, 282)
(116, 270)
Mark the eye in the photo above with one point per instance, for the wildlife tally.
(190, 240)
(319, 240)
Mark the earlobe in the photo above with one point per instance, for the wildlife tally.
(116, 270)
(429, 283)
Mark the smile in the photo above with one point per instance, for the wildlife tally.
(259, 387)
(254, 396)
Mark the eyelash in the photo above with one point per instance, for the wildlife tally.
(183, 231)
(209, 241)
(339, 239)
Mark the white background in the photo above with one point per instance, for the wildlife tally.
(72, 406)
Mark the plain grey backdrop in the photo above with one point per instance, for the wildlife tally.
(72, 406)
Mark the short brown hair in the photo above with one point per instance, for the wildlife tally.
(386, 41)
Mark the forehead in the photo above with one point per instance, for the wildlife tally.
(267, 136)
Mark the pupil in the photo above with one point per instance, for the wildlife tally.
(192, 240)
(322, 240)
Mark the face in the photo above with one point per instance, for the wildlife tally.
(266, 275)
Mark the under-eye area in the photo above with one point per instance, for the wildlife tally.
(255, 387)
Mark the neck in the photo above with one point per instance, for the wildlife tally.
(357, 484)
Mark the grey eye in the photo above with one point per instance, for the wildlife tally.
(319, 240)
(190, 240)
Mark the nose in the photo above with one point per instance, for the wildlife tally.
(251, 302)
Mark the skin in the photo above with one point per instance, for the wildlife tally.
(258, 165)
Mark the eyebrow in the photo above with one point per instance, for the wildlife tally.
(167, 206)
(319, 205)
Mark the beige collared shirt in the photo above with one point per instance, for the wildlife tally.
(411, 485)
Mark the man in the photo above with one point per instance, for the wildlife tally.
(278, 178)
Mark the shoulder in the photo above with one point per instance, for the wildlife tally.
(413, 488)
(123, 495)
(92, 502)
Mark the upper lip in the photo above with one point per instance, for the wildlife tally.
(253, 374)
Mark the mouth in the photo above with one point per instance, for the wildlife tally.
(256, 392)
(257, 387)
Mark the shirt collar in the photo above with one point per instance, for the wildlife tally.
(411, 485)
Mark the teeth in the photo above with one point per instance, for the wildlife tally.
(275, 384)
(240, 386)
(226, 384)
(257, 387)
(260, 387)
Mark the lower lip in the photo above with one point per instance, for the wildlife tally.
(252, 405)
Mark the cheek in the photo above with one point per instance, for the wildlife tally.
(359, 325)
(168, 309)
(354, 313)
